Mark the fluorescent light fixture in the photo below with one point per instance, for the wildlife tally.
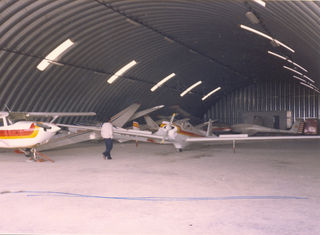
(286, 59)
(300, 79)
(159, 84)
(121, 71)
(55, 63)
(307, 85)
(190, 88)
(291, 69)
(266, 36)
(308, 78)
(210, 93)
(313, 86)
(168, 39)
(284, 45)
(53, 55)
(295, 64)
(260, 2)
(135, 23)
(277, 55)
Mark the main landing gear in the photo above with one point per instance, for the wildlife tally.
(35, 155)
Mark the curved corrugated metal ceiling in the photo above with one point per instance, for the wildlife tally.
(197, 40)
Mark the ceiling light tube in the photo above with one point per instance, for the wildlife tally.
(295, 64)
(310, 84)
(210, 93)
(305, 84)
(300, 79)
(286, 59)
(121, 71)
(159, 84)
(265, 36)
(317, 90)
(295, 71)
(308, 78)
(190, 88)
(168, 39)
(284, 45)
(260, 2)
(135, 23)
(55, 54)
(256, 32)
(277, 55)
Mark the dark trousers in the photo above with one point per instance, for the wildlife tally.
(109, 145)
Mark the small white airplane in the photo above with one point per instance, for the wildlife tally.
(181, 134)
(28, 135)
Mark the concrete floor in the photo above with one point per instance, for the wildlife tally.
(264, 188)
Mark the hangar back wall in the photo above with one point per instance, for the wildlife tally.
(267, 96)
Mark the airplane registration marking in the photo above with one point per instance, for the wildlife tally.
(20, 133)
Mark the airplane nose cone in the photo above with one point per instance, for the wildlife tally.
(55, 128)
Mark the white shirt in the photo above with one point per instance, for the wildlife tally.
(107, 130)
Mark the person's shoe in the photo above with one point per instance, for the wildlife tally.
(104, 157)
(109, 158)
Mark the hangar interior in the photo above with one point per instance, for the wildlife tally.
(228, 60)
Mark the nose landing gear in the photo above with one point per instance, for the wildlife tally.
(35, 155)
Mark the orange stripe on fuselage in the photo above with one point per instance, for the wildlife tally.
(20, 133)
(188, 133)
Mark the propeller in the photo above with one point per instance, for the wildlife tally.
(168, 127)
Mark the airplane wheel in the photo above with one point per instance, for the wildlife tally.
(27, 152)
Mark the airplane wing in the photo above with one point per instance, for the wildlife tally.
(118, 130)
(244, 137)
(54, 115)
(60, 114)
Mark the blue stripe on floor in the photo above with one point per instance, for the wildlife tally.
(64, 194)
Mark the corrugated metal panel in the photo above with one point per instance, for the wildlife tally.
(198, 40)
(267, 96)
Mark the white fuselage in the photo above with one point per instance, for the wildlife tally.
(178, 132)
(26, 134)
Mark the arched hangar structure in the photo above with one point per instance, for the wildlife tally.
(212, 41)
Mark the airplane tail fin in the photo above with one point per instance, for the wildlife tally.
(120, 119)
(209, 128)
(146, 112)
(152, 125)
(297, 127)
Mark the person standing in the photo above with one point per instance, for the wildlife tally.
(107, 135)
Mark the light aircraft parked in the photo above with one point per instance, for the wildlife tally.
(181, 133)
(119, 120)
(28, 135)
